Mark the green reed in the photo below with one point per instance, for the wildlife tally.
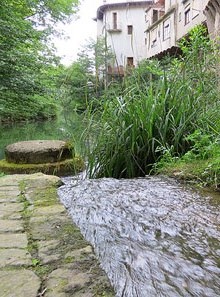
(161, 104)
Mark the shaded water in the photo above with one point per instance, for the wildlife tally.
(152, 236)
(68, 126)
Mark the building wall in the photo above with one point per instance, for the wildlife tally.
(189, 14)
(180, 16)
(127, 39)
(170, 3)
(157, 26)
(161, 35)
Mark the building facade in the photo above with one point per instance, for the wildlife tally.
(123, 26)
(136, 30)
(175, 18)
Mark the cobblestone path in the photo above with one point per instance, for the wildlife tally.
(42, 253)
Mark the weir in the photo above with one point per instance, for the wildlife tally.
(153, 237)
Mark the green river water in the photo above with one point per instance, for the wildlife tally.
(65, 127)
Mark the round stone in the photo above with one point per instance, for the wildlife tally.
(38, 152)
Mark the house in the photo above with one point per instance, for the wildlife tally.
(175, 19)
(123, 26)
(136, 30)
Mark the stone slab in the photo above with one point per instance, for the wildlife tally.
(11, 226)
(9, 188)
(22, 283)
(46, 227)
(48, 251)
(8, 193)
(40, 180)
(16, 240)
(11, 180)
(9, 196)
(10, 210)
(52, 210)
(14, 257)
(37, 152)
(79, 253)
(65, 280)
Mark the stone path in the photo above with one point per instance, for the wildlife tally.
(42, 253)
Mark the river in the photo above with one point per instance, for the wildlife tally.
(153, 237)
(67, 126)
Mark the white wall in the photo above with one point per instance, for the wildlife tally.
(161, 36)
(195, 9)
(184, 15)
(122, 44)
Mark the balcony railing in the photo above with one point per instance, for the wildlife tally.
(114, 27)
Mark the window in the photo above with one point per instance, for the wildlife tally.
(187, 16)
(155, 15)
(153, 38)
(154, 43)
(166, 29)
(130, 29)
(115, 17)
(130, 61)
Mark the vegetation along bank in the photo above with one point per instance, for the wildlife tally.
(161, 117)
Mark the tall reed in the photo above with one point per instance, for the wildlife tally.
(162, 103)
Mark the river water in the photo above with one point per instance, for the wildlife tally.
(152, 236)
(67, 126)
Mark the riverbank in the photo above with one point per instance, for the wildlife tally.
(42, 252)
(199, 173)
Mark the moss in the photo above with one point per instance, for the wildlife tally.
(205, 173)
(102, 289)
(69, 233)
(68, 260)
(43, 270)
(69, 166)
(47, 197)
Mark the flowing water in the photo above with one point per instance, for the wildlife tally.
(152, 236)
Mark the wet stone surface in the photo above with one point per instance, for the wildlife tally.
(42, 253)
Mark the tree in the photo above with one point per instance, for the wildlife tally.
(83, 81)
(26, 55)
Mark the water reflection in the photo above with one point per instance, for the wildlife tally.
(67, 126)
(153, 238)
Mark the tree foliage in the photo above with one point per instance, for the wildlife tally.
(26, 55)
(83, 81)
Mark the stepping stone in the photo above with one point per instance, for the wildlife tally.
(37, 152)
(16, 240)
(22, 283)
(52, 157)
(14, 257)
